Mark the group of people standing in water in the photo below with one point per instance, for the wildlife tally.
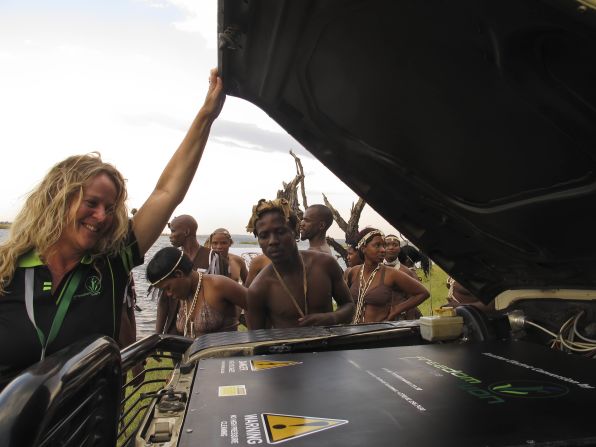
(66, 264)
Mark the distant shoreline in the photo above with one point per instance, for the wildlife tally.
(4, 226)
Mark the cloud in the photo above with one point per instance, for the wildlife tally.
(230, 133)
(200, 17)
(251, 136)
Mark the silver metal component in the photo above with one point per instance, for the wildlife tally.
(517, 319)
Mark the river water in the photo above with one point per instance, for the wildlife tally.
(146, 317)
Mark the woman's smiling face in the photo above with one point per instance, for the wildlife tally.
(93, 217)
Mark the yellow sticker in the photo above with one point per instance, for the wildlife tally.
(259, 365)
(232, 390)
(284, 427)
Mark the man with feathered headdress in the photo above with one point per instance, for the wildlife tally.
(297, 287)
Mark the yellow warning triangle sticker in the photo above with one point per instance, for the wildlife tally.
(259, 365)
(285, 427)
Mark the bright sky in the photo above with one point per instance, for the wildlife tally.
(125, 78)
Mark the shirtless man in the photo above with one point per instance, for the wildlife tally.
(298, 287)
(184, 235)
(314, 225)
(221, 241)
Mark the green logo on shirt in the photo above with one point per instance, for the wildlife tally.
(93, 285)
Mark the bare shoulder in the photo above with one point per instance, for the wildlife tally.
(405, 270)
(393, 272)
(259, 261)
(262, 281)
(320, 260)
(217, 281)
(235, 258)
(351, 271)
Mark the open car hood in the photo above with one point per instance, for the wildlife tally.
(469, 125)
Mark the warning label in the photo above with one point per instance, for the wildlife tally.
(272, 428)
(233, 366)
(259, 365)
(285, 427)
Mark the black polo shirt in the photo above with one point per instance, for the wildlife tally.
(95, 307)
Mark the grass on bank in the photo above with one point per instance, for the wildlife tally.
(133, 418)
(436, 283)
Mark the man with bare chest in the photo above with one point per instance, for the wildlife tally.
(313, 227)
(298, 287)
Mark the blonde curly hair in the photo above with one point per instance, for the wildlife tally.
(47, 211)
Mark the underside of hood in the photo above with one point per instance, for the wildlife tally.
(469, 125)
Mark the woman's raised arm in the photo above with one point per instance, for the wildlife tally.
(152, 217)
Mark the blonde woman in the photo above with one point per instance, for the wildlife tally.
(65, 265)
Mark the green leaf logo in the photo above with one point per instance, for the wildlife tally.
(93, 285)
(529, 389)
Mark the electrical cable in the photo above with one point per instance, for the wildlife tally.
(576, 331)
(559, 338)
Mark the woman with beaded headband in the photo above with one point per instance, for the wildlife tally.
(67, 259)
(373, 285)
(207, 302)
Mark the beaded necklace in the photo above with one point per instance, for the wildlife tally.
(362, 289)
(187, 313)
(287, 290)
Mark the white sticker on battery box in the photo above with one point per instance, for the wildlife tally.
(232, 390)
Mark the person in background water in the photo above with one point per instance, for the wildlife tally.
(313, 227)
(374, 285)
(220, 241)
(184, 235)
(208, 302)
(68, 257)
(298, 287)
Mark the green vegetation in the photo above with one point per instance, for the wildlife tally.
(436, 283)
(160, 377)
